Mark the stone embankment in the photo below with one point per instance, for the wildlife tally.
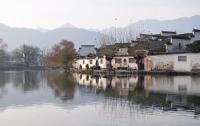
(121, 72)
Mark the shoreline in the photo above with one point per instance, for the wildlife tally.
(14, 68)
(137, 72)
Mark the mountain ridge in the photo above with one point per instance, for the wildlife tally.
(15, 36)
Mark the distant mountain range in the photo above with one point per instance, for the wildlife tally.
(180, 25)
(43, 38)
(46, 38)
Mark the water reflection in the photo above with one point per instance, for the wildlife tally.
(27, 80)
(71, 99)
(63, 85)
(163, 92)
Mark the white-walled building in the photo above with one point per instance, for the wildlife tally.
(124, 62)
(89, 62)
(180, 62)
(196, 33)
(180, 41)
(117, 62)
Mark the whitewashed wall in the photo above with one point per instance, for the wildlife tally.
(196, 36)
(102, 62)
(184, 42)
(83, 62)
(195, 61)
(123, 64)
(183, 65)
(170, 62)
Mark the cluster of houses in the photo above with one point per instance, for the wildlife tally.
(164, 51)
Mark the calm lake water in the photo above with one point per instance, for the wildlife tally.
(38, 98)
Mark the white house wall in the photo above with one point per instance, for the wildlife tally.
(103, 64)
(196, 36)
(182, 66)
(195, 61)
(170, 62)
(123, 64)
(183, 42)
(86, 61)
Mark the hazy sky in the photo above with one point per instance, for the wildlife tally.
(91, 13)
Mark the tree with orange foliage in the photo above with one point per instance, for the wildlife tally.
(62, 55)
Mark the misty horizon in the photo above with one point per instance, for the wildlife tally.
(70, 25)
(92, 14)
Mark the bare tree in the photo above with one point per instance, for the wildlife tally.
(27, 54)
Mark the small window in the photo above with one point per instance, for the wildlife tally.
(125, 61)
(91, 61)
(182, 58)
(132, 60)
(118, 60)
(101, 61)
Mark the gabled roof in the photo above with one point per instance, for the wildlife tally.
(86, 50)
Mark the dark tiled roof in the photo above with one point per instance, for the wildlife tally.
(185, 37)
(106, 50)
(136, 41)
(87, 45)
(169, 32)
(122, 45)
(196, 30)
(86, 50)
(155, 46)
(187, 34)
(146, 34)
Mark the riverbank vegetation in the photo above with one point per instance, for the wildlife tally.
(25, 56)
(194, 47)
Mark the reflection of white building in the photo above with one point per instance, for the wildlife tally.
(121, 84)
(88, 80)
(124, 84)
(175, 84)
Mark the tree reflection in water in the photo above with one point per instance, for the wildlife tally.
(28, 80)
(62, 84)
(4, 78)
